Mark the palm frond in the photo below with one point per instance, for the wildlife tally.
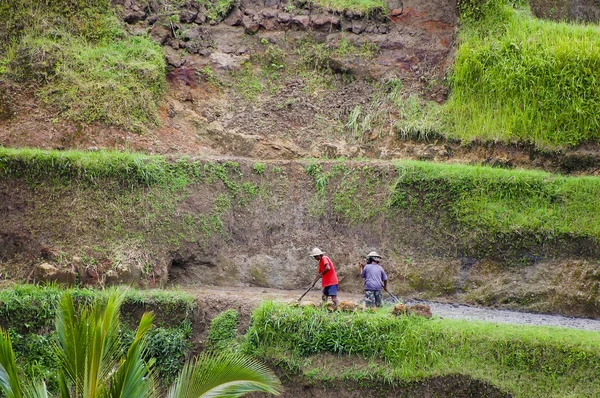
(88, 344)
(36, 390)
(133, 378)
(9, 381)
(226, 375)
(71, 350)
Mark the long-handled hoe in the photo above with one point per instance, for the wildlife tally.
(394, 297)
(308, 290)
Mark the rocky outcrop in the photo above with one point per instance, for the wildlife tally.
(46, 272)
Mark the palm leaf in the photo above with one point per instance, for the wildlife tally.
(9, 380)
(132, 379)
(36, 390)
(226, 375)
(88, 344)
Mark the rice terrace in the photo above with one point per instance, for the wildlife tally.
(299, 198)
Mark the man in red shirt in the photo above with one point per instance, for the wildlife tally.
(329, 280)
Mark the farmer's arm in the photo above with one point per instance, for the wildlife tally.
(320, 274)
(362, 269)
(384, 278)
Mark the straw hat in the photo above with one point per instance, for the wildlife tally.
(316, 252)
(373, 254)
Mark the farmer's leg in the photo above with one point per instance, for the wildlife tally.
(369, 299)
(324, 296)
(378, 298)
(335, 302)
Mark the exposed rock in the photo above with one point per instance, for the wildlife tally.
(173, 57)
(200, 19)
(160, 33)
(234, 18)
(250, 24)
(357, 27)
(395, 7)
(325, 21)
(134, 17)
(187, 16)
(45, 272)
(50, 253)
(284, 17)
(111, 277)
(227, 61)
(301, 20)
(269, 13)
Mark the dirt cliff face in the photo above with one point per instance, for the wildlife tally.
(268, 79)
(253, 224)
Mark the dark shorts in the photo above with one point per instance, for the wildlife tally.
(373, 298)
(330, 290)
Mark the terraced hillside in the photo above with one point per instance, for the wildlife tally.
(210, 144)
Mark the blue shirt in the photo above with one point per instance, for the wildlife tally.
(374, 276)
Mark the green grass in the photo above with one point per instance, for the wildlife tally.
(508, 201)
(362, 6)
(216, 10)
(486, 210)
(521, 360)
(82, 61)
(223, 330)
(518, 78)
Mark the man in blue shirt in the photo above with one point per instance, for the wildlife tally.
(375, 280)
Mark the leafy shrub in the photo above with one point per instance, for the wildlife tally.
(223, 330)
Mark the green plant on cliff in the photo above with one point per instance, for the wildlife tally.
(518, 78)
(365, 7)
(223, 330)
(88, 68)
(94, 362)
(216, 10)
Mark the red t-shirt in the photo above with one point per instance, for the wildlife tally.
(330, 277)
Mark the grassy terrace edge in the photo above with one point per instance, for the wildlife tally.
(524, 361)
(476, 197)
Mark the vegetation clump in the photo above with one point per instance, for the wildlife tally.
(518, 78)
(82, 62)
(523, 361)
(223, 330)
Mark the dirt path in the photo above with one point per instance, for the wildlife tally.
(250, 297)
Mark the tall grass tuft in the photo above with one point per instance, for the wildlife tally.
(517, 78)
